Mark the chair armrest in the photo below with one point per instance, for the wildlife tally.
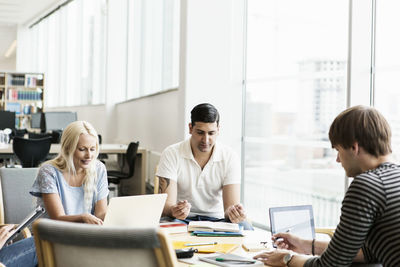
(325, 230)
(26, 233)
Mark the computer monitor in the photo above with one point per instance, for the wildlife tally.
(57, 121)
(37, 121)
(7, 119)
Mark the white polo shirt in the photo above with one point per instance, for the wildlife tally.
(201, 188)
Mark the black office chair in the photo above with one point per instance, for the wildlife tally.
(31, 152)
(115, 177)
(18, 132)
(101, 156)
(38, 135)
(55, 136)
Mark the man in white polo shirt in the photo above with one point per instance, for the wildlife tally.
(201, 176)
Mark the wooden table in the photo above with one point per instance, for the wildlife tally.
(250, 236)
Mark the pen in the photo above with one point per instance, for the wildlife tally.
(200, 244)
(235, 260)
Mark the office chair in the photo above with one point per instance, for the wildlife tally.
(101, 156)
(115, 177)
(61, 244)
(18, 132)
(31, 151)
(38, 135)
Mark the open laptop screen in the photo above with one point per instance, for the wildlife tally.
(142, 211)
(298, 220)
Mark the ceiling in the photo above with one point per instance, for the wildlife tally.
(14, 13)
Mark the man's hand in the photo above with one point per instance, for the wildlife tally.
(292, 242)
(181, 210)
(272, 257)
(5, 232)
(235, 213)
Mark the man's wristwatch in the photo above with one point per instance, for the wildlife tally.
(287, 258)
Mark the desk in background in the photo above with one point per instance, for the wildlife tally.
(134, 186)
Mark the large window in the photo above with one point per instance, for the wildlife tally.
(295, 86)
(69, 46)
(129, 47)
(153, 46)
(387, 67)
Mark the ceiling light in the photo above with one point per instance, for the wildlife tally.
(11, 49)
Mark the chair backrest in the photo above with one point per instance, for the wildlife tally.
(156, 184)
(131, 154)
(93, 245)
(31, 151)
(16, 202)
(38, 135)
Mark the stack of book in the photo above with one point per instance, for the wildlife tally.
(174, 227)
(207, 228)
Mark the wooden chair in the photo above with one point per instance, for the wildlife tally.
(61, 244)
(156, 184)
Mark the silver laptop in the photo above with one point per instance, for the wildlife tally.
(141, 211)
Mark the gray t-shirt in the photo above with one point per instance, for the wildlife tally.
(51, 180)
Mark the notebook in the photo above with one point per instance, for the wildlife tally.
(219, 247)
(229, 260)
(143, 211)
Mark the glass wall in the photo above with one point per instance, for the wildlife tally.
(295, 85)
(387, 67)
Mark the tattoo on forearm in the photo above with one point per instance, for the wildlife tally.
(163, 184)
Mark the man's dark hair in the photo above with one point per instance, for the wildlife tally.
(364, 125)
(204, 113)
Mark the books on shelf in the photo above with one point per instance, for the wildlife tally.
(174, 227)
(208, 226)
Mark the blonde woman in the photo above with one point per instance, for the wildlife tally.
(73, 186)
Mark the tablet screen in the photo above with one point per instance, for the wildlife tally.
(298, 220)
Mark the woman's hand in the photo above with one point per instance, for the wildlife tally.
(91, 219)
(5, 232)
(292, 242)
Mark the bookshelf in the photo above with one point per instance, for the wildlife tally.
(22, 93)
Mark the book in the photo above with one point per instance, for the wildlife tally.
(228, 260)
(205, 233)
(174, 227)
(255, 247)
(219, 247)
(208, 226)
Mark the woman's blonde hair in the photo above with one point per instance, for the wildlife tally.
(65, 159)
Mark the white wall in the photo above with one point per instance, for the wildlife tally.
(154, 121)
(214, 62)
(7, 35)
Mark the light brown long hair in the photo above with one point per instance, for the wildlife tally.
(65, 159)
